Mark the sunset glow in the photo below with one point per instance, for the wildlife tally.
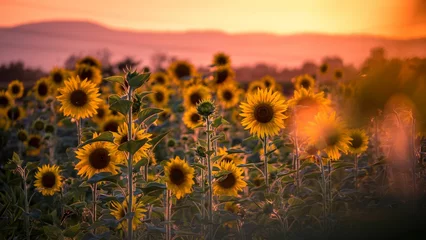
(392, 18)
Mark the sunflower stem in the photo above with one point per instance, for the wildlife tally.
(210, 202)
(324, 190)
(27, 208)
(79, 122)
(265, 157)
(94, 193)
(130, 167)
(167, 215)
(356, 172)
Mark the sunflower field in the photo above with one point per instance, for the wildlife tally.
(185, 154)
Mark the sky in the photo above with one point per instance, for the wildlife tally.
(390, 18)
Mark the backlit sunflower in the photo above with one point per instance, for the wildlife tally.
(120, 137)
(101, 113)
(90, 61)
(79, 99)
(42, 89)
(180, 70)
(269, 82)
(5, 100)
(222, 75)
(323, 69)
(221, 59)
(191, 118)
(92, 74)
(159, 78)
(229, 158)
(111, 123)
(179, 177)
(119, 210)
(95, 158)
(305, 81)
(22, 135)
(263, 113)
(15, 113)
(228, 184)
(58, 76)
(15, 89)
(48, 180)
(327, 132)
(34, 144)
(161, 95)
(194, 94)
(254, 86)
(359, 142)
(229, 95)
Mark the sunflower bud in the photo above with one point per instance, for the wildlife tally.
(201, 151)
(38, 125)
(49, 128)
(171, 143)
(22, 135)
(206, 108)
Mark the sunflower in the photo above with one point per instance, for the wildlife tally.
(92, 74)
(119, 211)
(229, 95)
(6, 100)
(15, 113)
(111, 123)
(15, 89)
(90, 61)
(305, 81)
(79, 99)
(359, 142)
(161, 95)
(255, 85)
(269, 82)
(159, 78)
(324, 68)
(221, 59)
(120, 137)
(338, 74)
(95, 158)
(228, 184)
(180, 70)
(101, 113)
(58, 76)
(327, 132)
(179, 177)
(194, 94)
(22, 135)
(34, 144)
(222, 75)
(39, 125)
(48, 180)
(191, 118)
(229, 158)
(263, 113)
(43, 89)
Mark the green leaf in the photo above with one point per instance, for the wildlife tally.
(233, 151)
(103, 176)
(139, 80)
(144, 161)
(143, 95)
(72, 231)
(157, 139)
(148, 112)
(115, 79)
(199, 165)
(148, 122)
(53, 232)
(104, 137)
(219, 121)
(222, 173)
(153, 186)
(132, 146)
(120, 105)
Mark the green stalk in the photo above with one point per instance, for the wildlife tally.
(210, 202)
(94, 196)
(130, 168)
(168, 215)
(356, 172)
(265, 157)
(79, 122)
(27, 208)
(324, 190)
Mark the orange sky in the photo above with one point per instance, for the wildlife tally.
(393, 18)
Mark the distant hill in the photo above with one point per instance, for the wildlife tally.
(48, 44)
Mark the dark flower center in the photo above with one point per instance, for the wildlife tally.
(324, 68)
(182, 70)
(48, 180)
(263, 113)
(22, 136)
(123, 139)
(86, 73)
(89, 61)
(338, 74)
(221, 76)
(159, 96)
(4, 101)
(78, 98)
(356, 141)
(13, 113)
(332, 137)
(111, 126)
(99, 158)
(195, 118)
(267, 83)
(42, 89)
(228, 95)
(222, 60)
(305, 83)
(101, 113)
(57, 78)
(34, 142)
(39, 125)
(195, 98)
(160, 80)
(16, 89)
(177, 176)
(228, 182)
(227, 159)
(49, 128)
